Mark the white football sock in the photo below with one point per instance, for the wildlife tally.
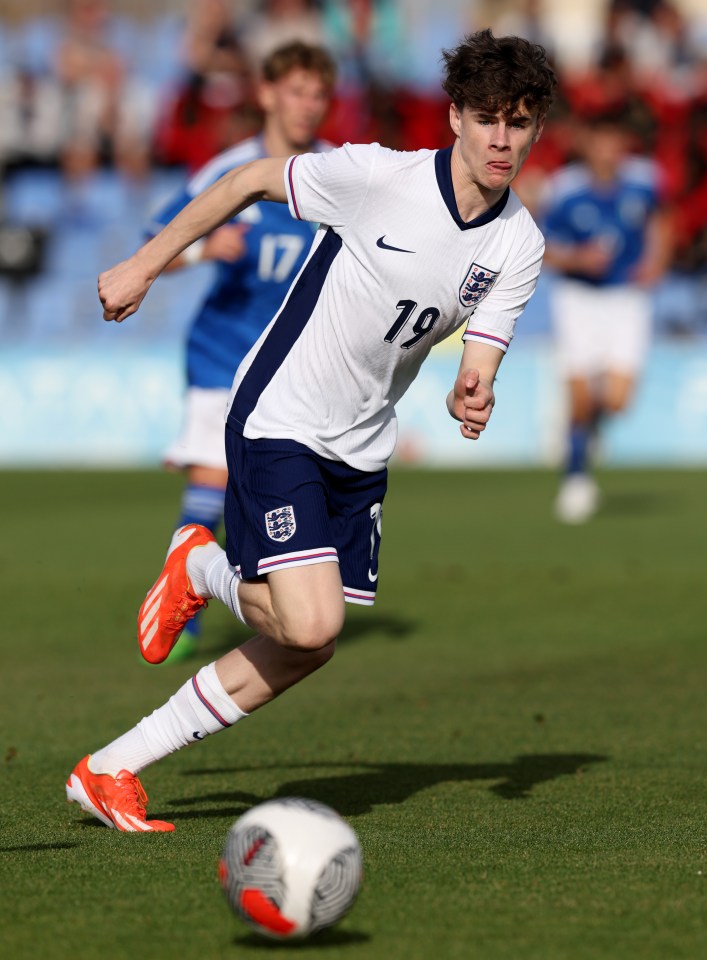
(198, 708)
(211, 575)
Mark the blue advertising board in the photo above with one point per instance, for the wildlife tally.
(121, 407)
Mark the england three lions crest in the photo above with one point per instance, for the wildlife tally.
(280, 524)
(476, 284)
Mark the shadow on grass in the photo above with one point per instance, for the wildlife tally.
(356, 628)
(34, 847)
(638, 503)
(355, 793)
(392, 627)
(326, 938)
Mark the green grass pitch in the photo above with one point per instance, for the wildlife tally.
(516, 730)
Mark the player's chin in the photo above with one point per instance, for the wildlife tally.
(499, 179)
(303, 136)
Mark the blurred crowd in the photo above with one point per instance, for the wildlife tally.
(91, 84)
(94, 85)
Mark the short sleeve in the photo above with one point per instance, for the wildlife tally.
(330, 187)
(494, 319)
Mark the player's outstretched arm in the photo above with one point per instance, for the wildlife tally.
(122, 288)
(472, 398)
(227, 244)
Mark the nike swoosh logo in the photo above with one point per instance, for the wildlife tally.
(197, 735)
(380, 242)
(374, 576)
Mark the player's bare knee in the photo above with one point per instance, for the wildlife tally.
(322, 655)
(311, 630)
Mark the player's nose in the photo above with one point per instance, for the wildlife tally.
(501, 137)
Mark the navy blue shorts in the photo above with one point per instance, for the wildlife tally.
(286, 506)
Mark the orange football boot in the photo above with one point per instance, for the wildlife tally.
(171, 602)
(118, 801)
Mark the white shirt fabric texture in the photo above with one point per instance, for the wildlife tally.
(392, 271)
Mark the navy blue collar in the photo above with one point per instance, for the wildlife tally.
(443, 169)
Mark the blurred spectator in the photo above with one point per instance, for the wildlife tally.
(654, 34)
(611, 84)
(73, 96)
(691, 207)
(277, 22)
(526, 18)
(366, 37)
(428, 29)
(101, 108)
(79, 86)
(30, 115)
(211, 42)
(213, 104)
(682, 299)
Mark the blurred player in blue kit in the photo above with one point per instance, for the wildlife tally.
(607, 239)
(411, 246)
(256, 256)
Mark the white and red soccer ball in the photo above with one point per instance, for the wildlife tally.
(291, 867)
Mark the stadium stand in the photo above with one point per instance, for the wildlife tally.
(168, 110)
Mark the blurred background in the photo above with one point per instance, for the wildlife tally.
(106, 107)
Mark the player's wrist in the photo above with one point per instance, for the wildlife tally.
(194, 253)
(488, 381)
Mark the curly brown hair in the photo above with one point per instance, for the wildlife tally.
(497, 74)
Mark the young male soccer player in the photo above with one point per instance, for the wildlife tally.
(257, 255)
(411, 246)
(608, 242)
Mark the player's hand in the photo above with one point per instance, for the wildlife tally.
(473, 403)
(647, 273)
(227, 243)
(592, 259)
(121, 290)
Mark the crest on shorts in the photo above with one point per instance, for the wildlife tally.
(280, 523)
(476, 284)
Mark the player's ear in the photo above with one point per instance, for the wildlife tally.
(455, 119)
(265, 95)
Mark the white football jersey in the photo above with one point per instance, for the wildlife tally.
(392, 271)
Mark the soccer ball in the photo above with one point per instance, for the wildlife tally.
(291, 867)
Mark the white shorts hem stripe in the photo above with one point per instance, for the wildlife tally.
(363, 597)
(299, 558)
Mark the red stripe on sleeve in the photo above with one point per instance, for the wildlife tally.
(292, 187)
(487, 336)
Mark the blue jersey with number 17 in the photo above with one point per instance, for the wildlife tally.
(245, 294)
